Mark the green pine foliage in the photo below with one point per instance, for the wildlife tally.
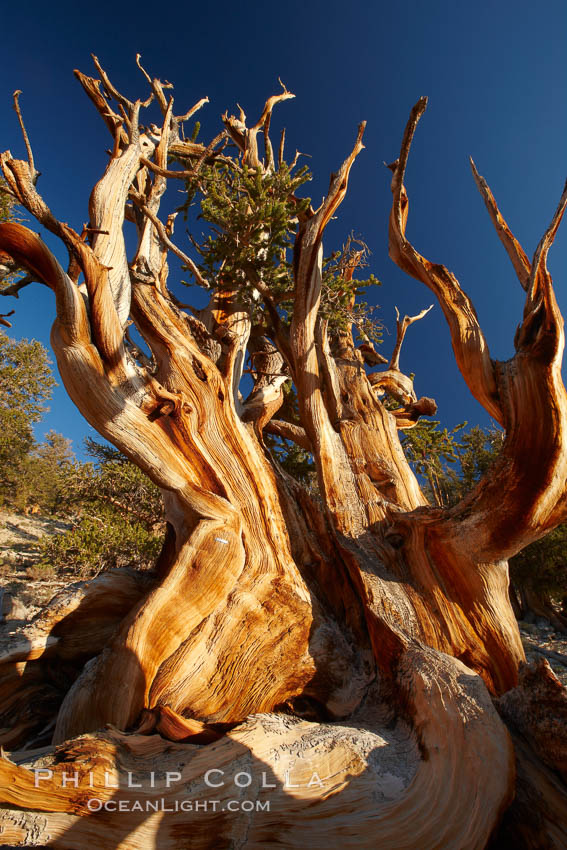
(451, 463)
(341, 302)
(43, 477)
(542, 566)
(434, 454)
(100, 540)
(252, 218)
(6, 202)
(116, 514)
(295, 460)
(26, 382)
(4, 206)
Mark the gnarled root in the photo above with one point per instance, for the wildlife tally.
(279, 780)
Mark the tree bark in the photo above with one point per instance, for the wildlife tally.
(359, 637)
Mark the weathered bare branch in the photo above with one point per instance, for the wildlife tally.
(469, 344)
(20, 180)
(525, 491)
(151, 253)
(281, 333)
(106, 327)
(107, 205)
(167, 241)
(539, 262)
(31, 253)
(189, 114)
(157, 85)
(281, 148)
(265, 120)
(408, 416)
(309, 237)
(164, 172)
(158, 89)
(513, 248)
(34, 172)
(542, 318)
(401, 329)
(266, 396)
(269, 106)
(246, 139)
(112, 91)
(289, 431)
(394, 383)
(369, 354)
(113, 121)
(14, 288)
(342, 496)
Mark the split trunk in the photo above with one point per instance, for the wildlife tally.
(340, 664)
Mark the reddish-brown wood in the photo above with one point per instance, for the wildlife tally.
(361, 634)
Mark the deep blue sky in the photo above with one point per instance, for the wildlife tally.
(495, 77)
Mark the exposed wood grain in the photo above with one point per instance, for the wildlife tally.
(358, 631)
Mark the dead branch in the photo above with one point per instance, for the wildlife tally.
(342, 495)
(106, 326)
(164, 172)
(289, 431)
(167, 241)
(542, 317)
(24, 281)
(30, 252)
(539, 273)
(308, 242)
(513, 248)
(34, 173)
(266, 396)
(369, 354)
(281, 148)
(113, 121)
(157, 85)
(158, 90)
(401, 329)
(469, 344)
(110, 89)
(246, 139)
(408, 416)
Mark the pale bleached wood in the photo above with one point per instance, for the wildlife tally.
(364, 784)
(353, 607)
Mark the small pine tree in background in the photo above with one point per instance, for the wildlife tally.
(451, 466)
(26, 382)
(116, 514)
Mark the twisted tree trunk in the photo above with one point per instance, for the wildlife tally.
(329, 661)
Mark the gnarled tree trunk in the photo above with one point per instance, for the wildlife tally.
(340, 653)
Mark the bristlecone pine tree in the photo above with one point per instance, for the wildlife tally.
(349, 658)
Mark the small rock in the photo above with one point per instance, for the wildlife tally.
(11, 608)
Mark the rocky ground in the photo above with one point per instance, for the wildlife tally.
(540, 639)
(25, 587)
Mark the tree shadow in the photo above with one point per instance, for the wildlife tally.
(222, 795)
(31, 696)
